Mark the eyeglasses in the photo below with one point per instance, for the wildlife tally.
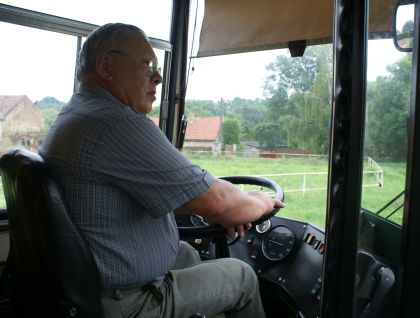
(152, 66)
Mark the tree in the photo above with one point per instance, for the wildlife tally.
(50, 107)
(201, 108)
(291, 74)
(270, 135)
(287, 76)
(309, 127)
(249, 113)
(388, 100)
(49, 102)
(231, 131)
(300, 106)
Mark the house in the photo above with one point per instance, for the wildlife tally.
(202, 133)
(21, 123)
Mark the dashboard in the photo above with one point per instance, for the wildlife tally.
(285, 254)
(288, 254)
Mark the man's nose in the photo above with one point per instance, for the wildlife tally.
(156, 78)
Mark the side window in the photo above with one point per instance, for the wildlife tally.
(37, 79)
(380, 222)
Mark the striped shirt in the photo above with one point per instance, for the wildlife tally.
(121, 179)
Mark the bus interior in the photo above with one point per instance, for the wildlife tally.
(336, 99)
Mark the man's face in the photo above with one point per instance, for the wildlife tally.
(133, 82)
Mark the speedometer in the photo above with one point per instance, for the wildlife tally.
(278, 243)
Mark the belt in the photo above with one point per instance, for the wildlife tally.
(119, 293)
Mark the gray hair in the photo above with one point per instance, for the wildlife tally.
(102, 39)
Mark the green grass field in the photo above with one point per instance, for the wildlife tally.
(309, 205)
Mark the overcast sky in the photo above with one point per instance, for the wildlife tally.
(244, 74)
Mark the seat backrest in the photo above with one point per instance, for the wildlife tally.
(52, 270)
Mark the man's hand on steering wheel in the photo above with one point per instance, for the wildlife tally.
(270, 205)
(227, 210)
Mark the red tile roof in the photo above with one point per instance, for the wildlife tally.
(8, 102)
(200, 128)
(203, 128)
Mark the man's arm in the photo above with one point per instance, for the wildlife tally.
(223, 203)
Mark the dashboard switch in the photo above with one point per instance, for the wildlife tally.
(310, 239)
(316, 244)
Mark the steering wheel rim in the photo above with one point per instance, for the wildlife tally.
(216, 229)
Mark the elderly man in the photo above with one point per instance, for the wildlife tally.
(123, 181)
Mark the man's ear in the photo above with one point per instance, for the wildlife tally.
(102, 67)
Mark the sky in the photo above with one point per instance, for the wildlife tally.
(244, 74)
(43, 64)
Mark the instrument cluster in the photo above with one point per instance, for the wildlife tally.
(287, 254)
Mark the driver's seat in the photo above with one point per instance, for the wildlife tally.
(52, 272)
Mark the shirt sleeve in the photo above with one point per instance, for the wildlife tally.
(138, 158)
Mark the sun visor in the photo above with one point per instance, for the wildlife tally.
(235, 26)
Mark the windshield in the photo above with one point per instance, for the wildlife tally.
(268, 114)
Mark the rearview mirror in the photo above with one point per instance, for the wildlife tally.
(403, 25)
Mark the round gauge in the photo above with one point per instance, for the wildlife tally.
(263, 226)
(278, 243)
(197, 220)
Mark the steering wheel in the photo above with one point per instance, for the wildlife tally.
(216, 230)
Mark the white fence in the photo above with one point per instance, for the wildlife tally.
(377, 173)
(252, 153)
